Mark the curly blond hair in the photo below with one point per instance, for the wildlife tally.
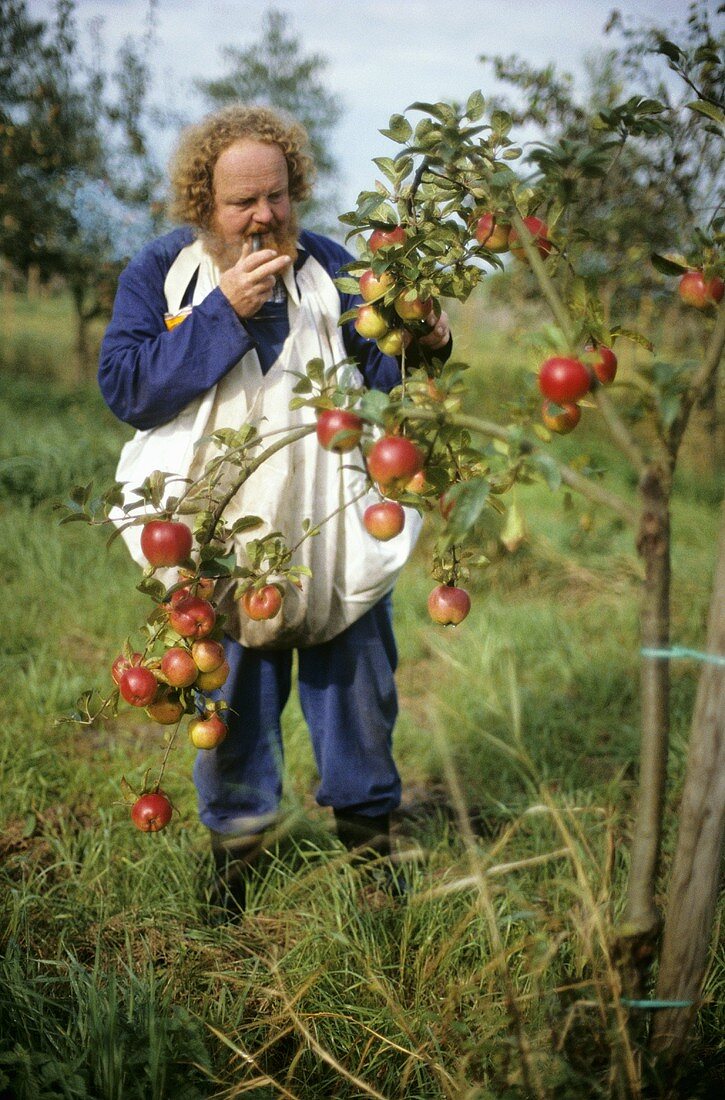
(191, 170)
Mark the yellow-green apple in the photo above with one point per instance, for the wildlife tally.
(370, 323)
(492, 233)
(216, 678)
(207, 732)
(561, 419)
(207, 654)
(412, 309)
(374, 286)
(166, 709)
(394, 341)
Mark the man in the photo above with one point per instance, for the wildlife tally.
(207, 332)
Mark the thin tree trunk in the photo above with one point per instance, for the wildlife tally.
(653, 544)
(692, 895)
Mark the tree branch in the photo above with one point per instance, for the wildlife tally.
(571, 478)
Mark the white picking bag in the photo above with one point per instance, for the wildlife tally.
(351, 571)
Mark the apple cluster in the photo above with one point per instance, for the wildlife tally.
(565, 380)
(185, 660)
(389, 309)
(395, 464)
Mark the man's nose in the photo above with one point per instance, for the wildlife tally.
(263, 212)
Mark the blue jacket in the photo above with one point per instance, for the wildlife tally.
(148, 375)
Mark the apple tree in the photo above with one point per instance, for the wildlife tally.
(455, 195)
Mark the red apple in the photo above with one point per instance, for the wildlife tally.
(262, 603)
(207, 654)
(192, 617)
(563, 379)
(492, 233)
(151, 812)
(369, 323)
(448, 605)
(123, 662)
(380, 237)
(178, 667)
(216, 678)
(374, 286)
(165, 542)
(393, 460)
(384, 520)
(412, 309)
(605, 363)
(394, 341)
(207, 732)
(695, 290)
(539, 231)
(138, 686)
(561, 419)
(338, 430)
(166, 710)
(202, 586)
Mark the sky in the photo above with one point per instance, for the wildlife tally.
(382, 54)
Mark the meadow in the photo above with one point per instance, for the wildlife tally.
(517, 743)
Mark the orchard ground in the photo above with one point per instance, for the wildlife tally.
(517, 742)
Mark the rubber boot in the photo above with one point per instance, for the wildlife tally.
(369, 839)
(234, 858)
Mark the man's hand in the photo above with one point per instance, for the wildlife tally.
(249, 284)
(440, 332)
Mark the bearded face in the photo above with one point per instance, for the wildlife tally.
(251, 197)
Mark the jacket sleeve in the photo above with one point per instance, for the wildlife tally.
(147, 374)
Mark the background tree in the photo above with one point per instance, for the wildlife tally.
(76, 177)
(662, 183)
(275, 72)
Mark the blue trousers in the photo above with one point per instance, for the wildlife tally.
(348, 698)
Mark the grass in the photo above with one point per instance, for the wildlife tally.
(517, 742)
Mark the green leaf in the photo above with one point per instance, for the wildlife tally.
(399, 129)
(347, 285)
(374, 405)
(501, 123)
(388, 167)
(669, 49)
(316, 371)
(152, 587)
(246, 523)
(442, 111)
(668, 265)
(475, 106)
(469, 499)
(709, 109)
